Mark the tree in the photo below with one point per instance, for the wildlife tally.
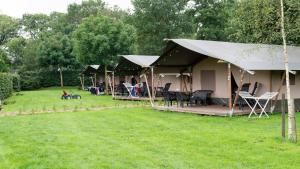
(15, 49)
(35, 24)
(55, 50)
(248, 25)
(8, 28)
(156, 20)
(77, 12)
(99, 40)
(211, 18)
(292, 134)
(4, 62)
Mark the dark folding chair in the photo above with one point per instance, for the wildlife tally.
(169, 97)
(201, 96)
(182, 98)
(160, 90)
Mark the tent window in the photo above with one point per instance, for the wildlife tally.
(292, 79)
(208, 80)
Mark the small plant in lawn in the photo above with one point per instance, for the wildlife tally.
(44, 109)
(54, 108)
(65, 108)
(75, 108)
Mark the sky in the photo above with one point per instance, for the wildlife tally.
(16, 8)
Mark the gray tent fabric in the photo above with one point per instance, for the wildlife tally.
(91, 69)
(141, 60)
(245, 56)
(134, 64)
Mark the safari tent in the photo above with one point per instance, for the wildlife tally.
(133, 66)
(224, 66)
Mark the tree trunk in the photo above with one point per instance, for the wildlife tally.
(61, 76)
(292, 134)
(106, 80)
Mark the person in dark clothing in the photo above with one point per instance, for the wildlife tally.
(133, 81)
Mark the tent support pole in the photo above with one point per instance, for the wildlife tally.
(229, 86)
(113, 85)
(152, 82)
(92, 81)
(149, 94)
(238, 92)
(278, 90)
(95, 80)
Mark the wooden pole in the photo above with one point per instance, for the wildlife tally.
(229, 89)
(238, 91)
(83, 81)
(80, 78)
(152, 82)
(92, 81)
(95, 80)
(113, 81)
(278, 90)
(149, 94)
(283, 116)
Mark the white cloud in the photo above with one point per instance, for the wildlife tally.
(17, 8)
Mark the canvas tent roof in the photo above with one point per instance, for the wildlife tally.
(133, 64)
(184, 52)
(91, 69)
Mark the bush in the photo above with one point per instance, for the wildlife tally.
(48, 78)
(30, 80)
(16, 82)
(6, 85)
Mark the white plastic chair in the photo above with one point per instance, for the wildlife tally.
(129, 88)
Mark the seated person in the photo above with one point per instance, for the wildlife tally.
(65, 95)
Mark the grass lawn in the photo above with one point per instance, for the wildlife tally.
(142, 138)
(49, 100)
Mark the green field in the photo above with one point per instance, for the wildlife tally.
(50, 100)
(138, 138)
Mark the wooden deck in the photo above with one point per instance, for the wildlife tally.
(211, 110)
(136, 98)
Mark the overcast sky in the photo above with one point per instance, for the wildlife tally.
(17, 8)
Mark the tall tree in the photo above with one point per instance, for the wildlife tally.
(77, 12)
(99, 40)
(35, 24)
(156, 20)
(292, 134)
(8, 28)
(4, 62)
(211, 18)
(56, 50)
(248, 25)
(15, 49)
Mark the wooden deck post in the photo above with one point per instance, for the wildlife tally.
(149, 94)
(152, 82)
(238, 92)
(229, 89)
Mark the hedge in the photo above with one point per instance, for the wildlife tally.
(6, 85)
(46, 78)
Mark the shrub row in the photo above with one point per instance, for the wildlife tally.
(6, 85)
(45, 78)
